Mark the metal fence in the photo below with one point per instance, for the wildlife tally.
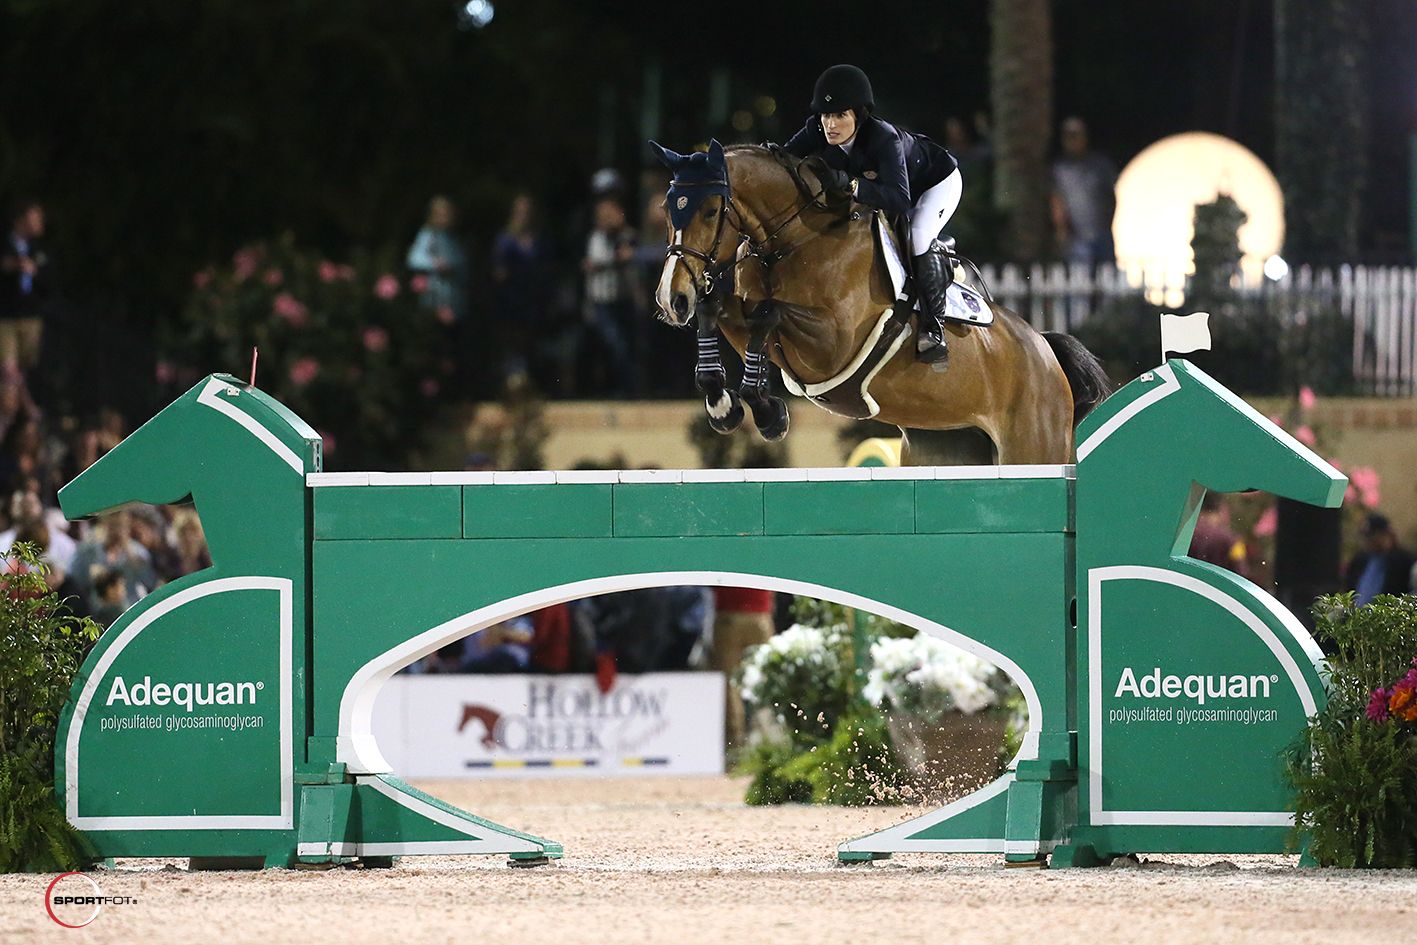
(1380, 302)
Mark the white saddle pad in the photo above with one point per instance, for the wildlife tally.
(961, 304)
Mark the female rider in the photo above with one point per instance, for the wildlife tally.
(894, 170)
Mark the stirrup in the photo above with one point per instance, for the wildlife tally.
(931, 348)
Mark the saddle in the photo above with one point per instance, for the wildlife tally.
(848, 394)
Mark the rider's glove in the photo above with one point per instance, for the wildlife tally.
(835, 182)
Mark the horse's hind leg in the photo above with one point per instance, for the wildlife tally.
(769, 412)
(725, 410)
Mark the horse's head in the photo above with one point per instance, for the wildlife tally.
(699, 262)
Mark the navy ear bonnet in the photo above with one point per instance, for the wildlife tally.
(696, 176)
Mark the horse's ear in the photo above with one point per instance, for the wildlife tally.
(716, 156)
(668, 158)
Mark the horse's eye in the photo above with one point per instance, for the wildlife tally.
(709, 213)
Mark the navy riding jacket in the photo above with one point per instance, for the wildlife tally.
(894, 167)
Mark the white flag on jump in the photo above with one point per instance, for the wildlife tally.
(1183, 333)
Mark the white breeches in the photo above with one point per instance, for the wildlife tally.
(933, 210)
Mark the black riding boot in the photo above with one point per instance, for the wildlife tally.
(933, 274)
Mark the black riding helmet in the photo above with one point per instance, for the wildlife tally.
(841, 88)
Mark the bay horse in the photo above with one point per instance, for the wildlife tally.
(791, 275)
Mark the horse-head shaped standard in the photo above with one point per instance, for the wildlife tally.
(1156, 445)
(237, 453)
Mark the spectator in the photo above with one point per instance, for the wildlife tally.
(26, 286)
(609, 294)
(26, 509)
(521, 265)
(438, 257)
(1084, 198)
(191, 541)
(1214, 541)
(743, 617)
(1383, 566)
(109, 597)
(111, 549)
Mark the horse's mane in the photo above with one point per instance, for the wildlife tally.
(790, 163)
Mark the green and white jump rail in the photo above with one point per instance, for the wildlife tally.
(228, 714)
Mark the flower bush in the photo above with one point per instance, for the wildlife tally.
(803, 676)
(344, 345)
(926, 677)
(1355, 770)
(828, 736)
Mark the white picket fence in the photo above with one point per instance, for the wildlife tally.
(1380, 301)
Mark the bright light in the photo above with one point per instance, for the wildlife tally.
(1276, 268)
(1157, 195)
(475, 14)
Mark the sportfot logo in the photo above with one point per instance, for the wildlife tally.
(74, 900)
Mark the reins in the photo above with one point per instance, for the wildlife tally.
(715, 270)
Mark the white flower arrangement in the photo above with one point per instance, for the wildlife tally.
(812, 651)
(926, 676)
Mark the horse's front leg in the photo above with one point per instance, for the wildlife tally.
(725, 410)
(769, 412)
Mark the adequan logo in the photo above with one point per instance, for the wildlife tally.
(1154, 686)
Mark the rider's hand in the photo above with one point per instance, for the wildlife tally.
(835, 182)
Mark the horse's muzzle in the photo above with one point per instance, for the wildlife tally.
(681, 308)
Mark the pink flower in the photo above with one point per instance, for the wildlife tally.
(1267, 521)
(1307, 398)
(273, 277)
(1377, 705)
(375, 338)
(328, 441)
(245, 262)
(430, 388)
(303, 371)
(1305, 435)
(1350, 494)
(165, 372)
(329, 272)
(1276, 419)
(419, 283)
(1368, 483)
(445, 314)
(201, 279)
(290, 308)
(387, 287)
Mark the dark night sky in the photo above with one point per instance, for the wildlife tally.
(164, 135)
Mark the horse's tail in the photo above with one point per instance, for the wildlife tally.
(1090, 384)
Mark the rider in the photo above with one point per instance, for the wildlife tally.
(894, 170)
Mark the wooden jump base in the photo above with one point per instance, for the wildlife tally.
(228, 713)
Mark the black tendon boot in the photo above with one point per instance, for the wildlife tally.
(933, 274)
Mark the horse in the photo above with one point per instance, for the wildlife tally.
(759, 252)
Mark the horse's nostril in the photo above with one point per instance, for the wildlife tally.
(681, 304)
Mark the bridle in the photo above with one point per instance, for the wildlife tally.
(720, 274)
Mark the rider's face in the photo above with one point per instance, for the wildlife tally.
(839, 126)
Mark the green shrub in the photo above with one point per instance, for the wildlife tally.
(41, 650)
(1355, 770)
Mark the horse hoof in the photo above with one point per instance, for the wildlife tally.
(726, 413)
(771, 418)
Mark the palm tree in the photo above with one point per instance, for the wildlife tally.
(1321, 124)
(1021, 93)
